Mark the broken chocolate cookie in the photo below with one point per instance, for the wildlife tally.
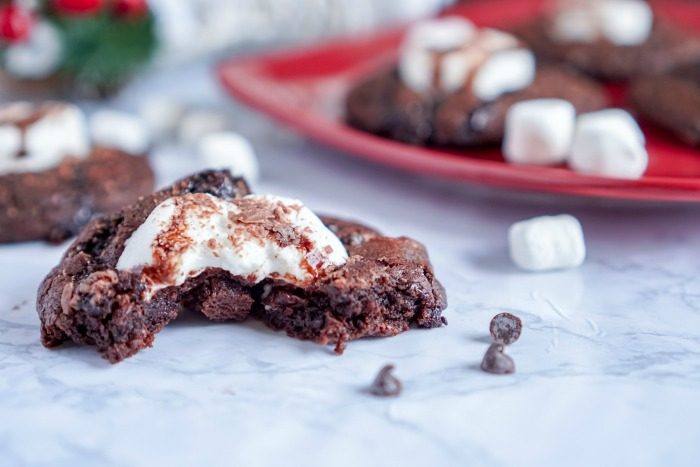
(208, 245)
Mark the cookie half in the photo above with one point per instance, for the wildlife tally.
(382, 287)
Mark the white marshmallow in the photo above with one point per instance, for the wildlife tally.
(506, 71)
(626, 22)
(59, 130)
(609, 143)
(186, 234)
(547, 243)
(622, 22)
(162, 116)
(416, 67)
(231, 151)
(120, 130)
(198, 123)
(539, 131)
(457, 52)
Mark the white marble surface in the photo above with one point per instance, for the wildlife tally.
(608, 366)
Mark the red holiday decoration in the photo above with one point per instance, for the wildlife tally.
(131, 8)
(15, 23)
(77, 7)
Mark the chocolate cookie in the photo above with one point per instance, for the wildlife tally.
(672, 101)
(55, 204)
(667, 47)
(385, 106)
(385, 285)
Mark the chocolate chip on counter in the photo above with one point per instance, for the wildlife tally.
(385, 384)
(505, 328)
(497, 362)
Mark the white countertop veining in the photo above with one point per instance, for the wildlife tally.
(608, 365)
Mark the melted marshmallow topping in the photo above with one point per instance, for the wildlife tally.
(256, 237)
(38, 137)
(451, 54)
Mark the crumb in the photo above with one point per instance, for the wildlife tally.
(497, 362)
(19, 306)
(385, 384)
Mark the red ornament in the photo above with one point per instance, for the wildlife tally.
(131, 9)
(15, 23)
(78, 7)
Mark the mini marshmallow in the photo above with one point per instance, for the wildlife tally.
(198, 123)
(609, 143)
(231, 151)
(547, 243)
(120, 130)
(539, 131)
(506, 71)
(453, 54)
(626, 22)
(61, 131)
(622, 22)
(162, 116)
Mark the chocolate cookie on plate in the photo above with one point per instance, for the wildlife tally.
(454, 84)
(672, 101)
(611, 39)
(208, 245)
(52, 181)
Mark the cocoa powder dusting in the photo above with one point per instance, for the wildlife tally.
(171, 242)
(270, 221)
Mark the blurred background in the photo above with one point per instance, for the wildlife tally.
(91, 48)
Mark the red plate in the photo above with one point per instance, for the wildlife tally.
(305, 88)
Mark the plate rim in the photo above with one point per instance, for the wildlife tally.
(242, 76)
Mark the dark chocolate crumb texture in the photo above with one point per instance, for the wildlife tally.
(193, 245)
(672, 101)
(54, 204)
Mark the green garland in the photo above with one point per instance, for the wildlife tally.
(102, 51)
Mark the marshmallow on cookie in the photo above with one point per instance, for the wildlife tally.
(620, 22)
(256, 237)
(451, 54)
(38, 137)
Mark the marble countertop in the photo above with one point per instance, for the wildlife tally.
(608, 365)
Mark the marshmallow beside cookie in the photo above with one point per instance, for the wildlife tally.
(547, 243)
(606, 143)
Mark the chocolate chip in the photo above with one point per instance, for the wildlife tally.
(497, 362)
(385, 384)
(443, 320)
(505, 328)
